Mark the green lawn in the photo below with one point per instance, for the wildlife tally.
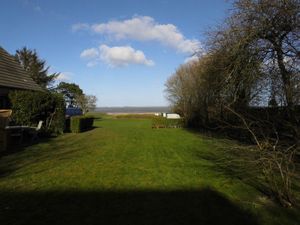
(124, 172)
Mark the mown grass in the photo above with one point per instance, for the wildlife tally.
(124, 172)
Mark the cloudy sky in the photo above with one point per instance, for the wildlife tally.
(122, 51)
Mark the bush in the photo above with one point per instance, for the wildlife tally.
(57, 125)
(162, 122)
(30, 107)
(81, 123)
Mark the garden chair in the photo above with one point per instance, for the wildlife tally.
(34, 131)
(12, 131)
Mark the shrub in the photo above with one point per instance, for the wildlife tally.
(162, 122)
(30, 107)
(58, 121)
(81, 123)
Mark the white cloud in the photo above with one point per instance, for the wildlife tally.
(144, 28)
(191, 59)
(115, 56)
(80, 26)
(92, 63)
(195, 57)
(89, 53)
(64, 76)
(123, 55)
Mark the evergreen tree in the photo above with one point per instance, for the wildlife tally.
(36, 67)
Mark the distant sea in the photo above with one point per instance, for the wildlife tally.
(150, 109)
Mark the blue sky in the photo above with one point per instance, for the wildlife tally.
(121, 51)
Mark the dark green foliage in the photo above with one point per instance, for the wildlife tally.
(67, 125)
(162, 122)
(81, 123)
(70, 92)
(57, 125)
(36, 67)
(31, 107)
(273, 102)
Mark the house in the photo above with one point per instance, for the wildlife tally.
(13, 77)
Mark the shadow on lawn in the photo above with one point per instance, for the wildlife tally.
(121, 208)
(16, 146)
(45, 149)
(238, 160)
(232, 158)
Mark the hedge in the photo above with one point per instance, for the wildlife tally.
(29, 107)
(81, 123)
(162, 122)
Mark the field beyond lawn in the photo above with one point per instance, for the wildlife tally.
(125, 172)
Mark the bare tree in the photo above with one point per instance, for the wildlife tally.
(86, 102)
(252, 58)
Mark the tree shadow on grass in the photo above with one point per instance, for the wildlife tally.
(231, 158)
(238, 160)
(16, 146)
(46, 149)
(205, 206)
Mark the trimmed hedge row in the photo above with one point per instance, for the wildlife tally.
(81, 123)
(162, 122)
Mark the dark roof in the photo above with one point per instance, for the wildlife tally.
(12, 74)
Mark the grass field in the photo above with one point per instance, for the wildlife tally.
(124, 172)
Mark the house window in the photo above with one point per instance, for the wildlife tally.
(4, 102)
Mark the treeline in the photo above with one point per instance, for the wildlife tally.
(247, 83)
(48, 105)
(39, 72)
